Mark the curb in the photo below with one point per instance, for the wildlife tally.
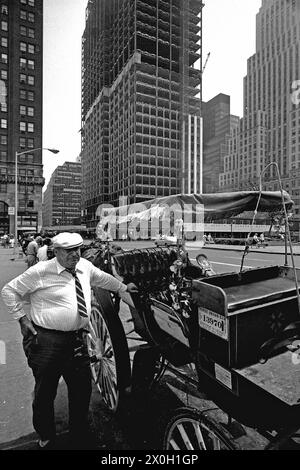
(263, 250)
(25, 441)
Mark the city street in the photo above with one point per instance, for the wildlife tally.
(133, 430)
(177, 121)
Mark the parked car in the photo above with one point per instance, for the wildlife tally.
(166, 240)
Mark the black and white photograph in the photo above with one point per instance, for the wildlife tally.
(149, 228)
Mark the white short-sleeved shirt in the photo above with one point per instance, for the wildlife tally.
(51, 292)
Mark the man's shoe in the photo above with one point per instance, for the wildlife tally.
(45, 445)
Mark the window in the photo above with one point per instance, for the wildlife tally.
(23, 15)
(31, 17)
(4, 42)
(31, 3)
(4, 58)
(30, 111)
(22, 142)
(23, 63)
(30, 64)
(4, 10)
(3, 139)
(23, 110)
(3, 123)
(30, 48)
(3, 154)
(30, 80)
(30, 127)
(3, 188)
(23, 126)
(23, 78)
(23, 47)
(30, 33)
(23, 94)
(3, 74)
(30, 156)
(23, 31)
(4, 25)
(30, 144)
(30, 96)
(24, 2)
(3, 107)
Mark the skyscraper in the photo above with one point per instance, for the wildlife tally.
(62, 198)
(141, 95)
(21, 45)
(218, 124)
(270, 128)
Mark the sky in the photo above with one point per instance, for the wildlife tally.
(228, 34)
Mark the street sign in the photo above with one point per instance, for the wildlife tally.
(11, 211)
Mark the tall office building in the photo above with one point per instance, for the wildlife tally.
(62, 197)
(218, 124)
(270, 128)
(141, 95)
(21, 47)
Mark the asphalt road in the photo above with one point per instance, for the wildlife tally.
(138, 427)
(226, 261)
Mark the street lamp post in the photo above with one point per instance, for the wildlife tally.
(17, 154)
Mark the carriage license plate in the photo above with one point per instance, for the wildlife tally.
(213, 322)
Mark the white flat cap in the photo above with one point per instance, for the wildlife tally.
(67, 240)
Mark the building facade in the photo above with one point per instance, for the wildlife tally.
(21, 81)
(218, 124)
(141, 126)
(270, 128)
(62, 197)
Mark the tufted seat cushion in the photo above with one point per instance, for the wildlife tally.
(136, 265)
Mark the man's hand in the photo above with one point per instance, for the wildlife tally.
(27, 327)
(131, 288)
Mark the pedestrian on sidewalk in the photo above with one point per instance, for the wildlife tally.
(42, 253)
(6, 240)
(32, 250)
(262, 240)
(54, 338)
(11, 241)
(255, 239)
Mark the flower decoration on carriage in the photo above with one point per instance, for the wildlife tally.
(276, 322)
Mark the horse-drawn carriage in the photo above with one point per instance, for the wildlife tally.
(229, 341)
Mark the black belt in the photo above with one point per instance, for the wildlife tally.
(59, 332)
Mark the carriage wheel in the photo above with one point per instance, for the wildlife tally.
(190, 430)
(107, 346)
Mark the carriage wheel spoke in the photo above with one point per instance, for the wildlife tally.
(199, 436)
(93, 333)
(174, 445)
(216, 442)
(185, 437)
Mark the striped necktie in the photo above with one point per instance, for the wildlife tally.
(79, 294)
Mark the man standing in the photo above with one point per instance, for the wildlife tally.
(43, 249)
(32, 250)
(53, 333)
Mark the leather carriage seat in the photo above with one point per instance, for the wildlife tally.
(144, 263)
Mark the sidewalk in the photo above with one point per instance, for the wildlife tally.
(10, 252)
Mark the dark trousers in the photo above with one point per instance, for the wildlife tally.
(51, 355)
